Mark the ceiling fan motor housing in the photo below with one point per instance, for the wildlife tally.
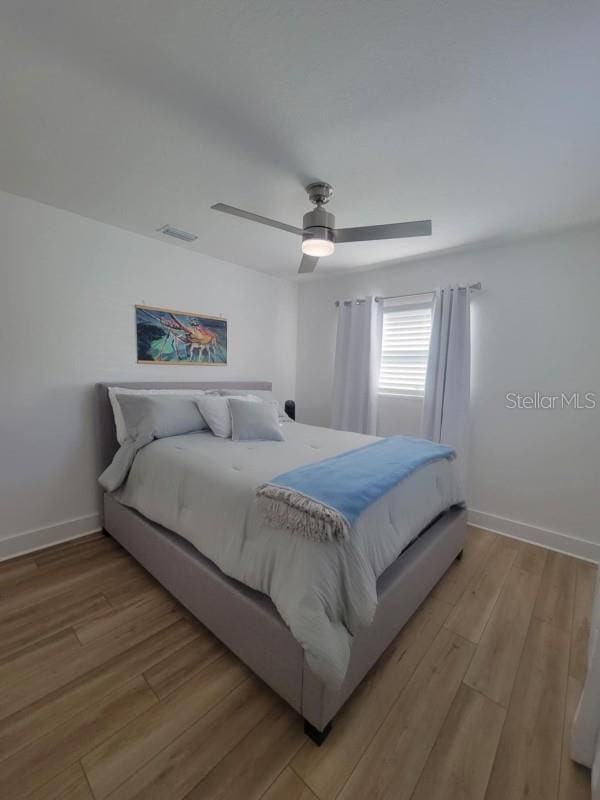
(319, 224)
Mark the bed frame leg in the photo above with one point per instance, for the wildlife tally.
(460, 555)
(317, 736)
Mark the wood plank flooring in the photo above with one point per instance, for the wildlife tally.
(110, 690)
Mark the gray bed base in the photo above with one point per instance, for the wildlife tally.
(246, 621)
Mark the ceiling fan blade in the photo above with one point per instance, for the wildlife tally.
(273, 223)
(308, 264)
(398, 230)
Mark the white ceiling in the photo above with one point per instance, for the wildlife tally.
(481, 114)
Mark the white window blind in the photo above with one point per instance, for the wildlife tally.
(405, 349)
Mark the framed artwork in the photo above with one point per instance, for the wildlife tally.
(165, 336)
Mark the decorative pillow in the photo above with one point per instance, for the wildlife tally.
(254, 421)
(215, 410)
(118, 469)
(115, 392)
(266, 395)
(155, 417)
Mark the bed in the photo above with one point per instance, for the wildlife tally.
(241, 614)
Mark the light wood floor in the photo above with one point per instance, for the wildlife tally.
(108, 689)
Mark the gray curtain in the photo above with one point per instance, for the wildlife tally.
(447, 385)
(356, 371)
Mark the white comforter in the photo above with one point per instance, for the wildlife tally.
(203, 488)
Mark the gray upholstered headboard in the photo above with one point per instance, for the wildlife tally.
(107, 442)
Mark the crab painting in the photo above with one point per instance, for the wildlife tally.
(176, 337)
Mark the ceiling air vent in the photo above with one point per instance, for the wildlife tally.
(176, 233)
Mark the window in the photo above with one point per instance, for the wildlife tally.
(405, 349)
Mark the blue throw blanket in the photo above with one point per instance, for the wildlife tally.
(322, 501)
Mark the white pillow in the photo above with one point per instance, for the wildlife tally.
(215, 411)
(115, 391)
(266, 395)
(254, 422)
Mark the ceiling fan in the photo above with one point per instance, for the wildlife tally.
(318, 232)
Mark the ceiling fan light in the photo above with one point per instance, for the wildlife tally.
(317, 247)
(318, 241)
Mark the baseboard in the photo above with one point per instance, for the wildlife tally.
(28, 541)
(552, 540)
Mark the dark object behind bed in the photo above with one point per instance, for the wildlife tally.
(290, 409)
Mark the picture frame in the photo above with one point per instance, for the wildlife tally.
(169, 336)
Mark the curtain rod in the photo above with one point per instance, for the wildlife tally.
(474, 286)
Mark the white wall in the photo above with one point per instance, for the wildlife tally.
(67, 291)
(533, 474)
